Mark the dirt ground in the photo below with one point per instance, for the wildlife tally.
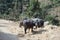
(10, 30)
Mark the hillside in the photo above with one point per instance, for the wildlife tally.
(13, 11)
(55, 11)
(18, 9)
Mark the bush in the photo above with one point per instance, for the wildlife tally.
(55, 22)
(52, 19)
(49, 17)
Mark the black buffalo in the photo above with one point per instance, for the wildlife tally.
(38, 22)
(21, 22)
(30, 23)
(27, 24)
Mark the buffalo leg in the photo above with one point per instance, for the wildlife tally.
(25, 30)
(32, 29)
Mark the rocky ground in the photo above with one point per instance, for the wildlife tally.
(10, 30)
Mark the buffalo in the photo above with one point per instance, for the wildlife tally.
(27, 24)
(21, 22)
(38, 22)
(30, 23)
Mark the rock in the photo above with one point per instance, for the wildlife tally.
(46, 23)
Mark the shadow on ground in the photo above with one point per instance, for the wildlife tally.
(39, 31)
(3, 26)
(7, 36)
(20, 35)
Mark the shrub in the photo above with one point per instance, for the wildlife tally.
(52, 19)
(55, 22)
(49, 18)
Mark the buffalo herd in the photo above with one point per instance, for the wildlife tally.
(31, 23)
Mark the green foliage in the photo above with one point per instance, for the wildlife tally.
(49, 17)
(55, 1)
(34, 9)
(9, 9)
(55, 22)
(52, 19)
(13, 9)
